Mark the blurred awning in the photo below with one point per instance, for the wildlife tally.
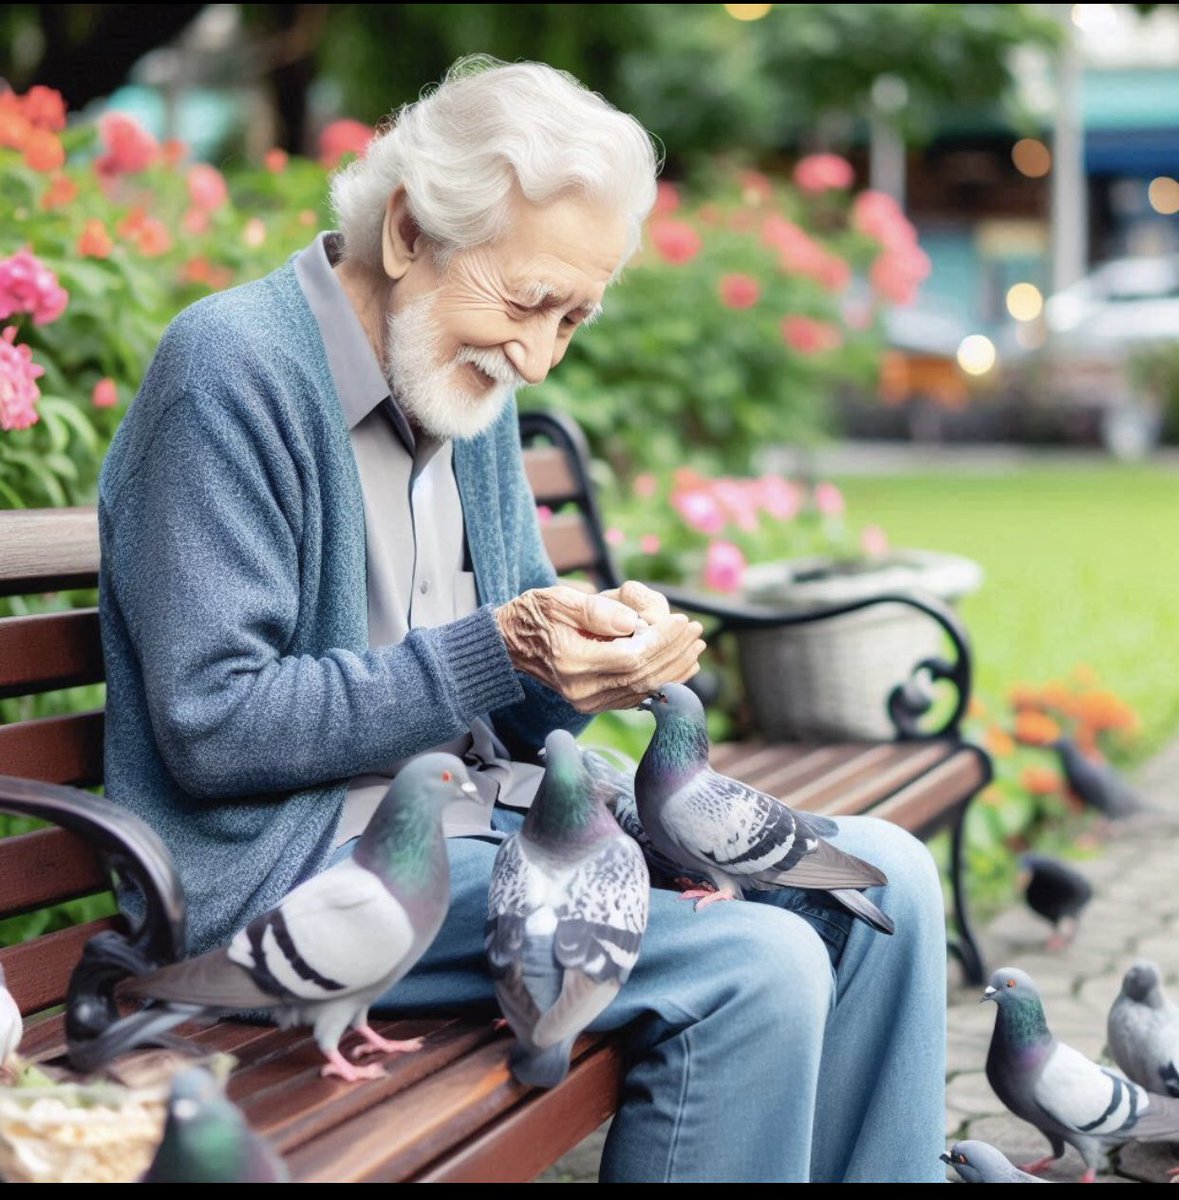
(1131, 122)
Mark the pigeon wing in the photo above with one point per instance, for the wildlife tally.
(512, 882)
(1078, 1094)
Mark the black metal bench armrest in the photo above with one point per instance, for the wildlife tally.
(910, 699)
(133, 853)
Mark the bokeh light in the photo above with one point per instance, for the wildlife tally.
(1024, 301)
(1094, 18)
(976, 354)
(1163, 195)
(1031, 157)
(747, 12)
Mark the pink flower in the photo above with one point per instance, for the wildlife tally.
(739, 291)
(614, 536)
(822, 172)
(341, 137)
(206, 187)
(809, 336)
(779, 497)
(873, 541)
(899, 272)
(129, 147)
(667, 199)
(649, 543)
(674, 240)
(276, 160)
(645, 485)
(700, 510)
(19, 392)
(44, 108)
(544, 514)
(196, 220)
(740, 497)
(833, 273)
(105, 394)
(724, 569)
(27, 285)
(829, 500)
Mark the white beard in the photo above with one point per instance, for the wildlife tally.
(427, 390)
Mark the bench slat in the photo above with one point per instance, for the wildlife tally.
(549, 475)
(38, 972)
(568, 543)
(931, 800)
(45, 867)
(54, 749)
(49, 550)
(54, 650)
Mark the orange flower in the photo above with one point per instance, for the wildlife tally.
(132, 223)
(173, 151)
(1040, 781)
(94, 241)
(999, 742)
(1056, 695)
(14, 125)
(153, 238)
(1024, 697)
(1104, 710)
(1035, 729)
(43, 150)
(62, 191)
(196, 270)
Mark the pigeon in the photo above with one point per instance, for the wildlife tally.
(1097, 783)
(1065, 1095)
(1058, 893)
(1143, 1031)
(342, 938)
(980, 1162)
(11, 1028)
(566, 912)
(207, 1140)
(730, 833)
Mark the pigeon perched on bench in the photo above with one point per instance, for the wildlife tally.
(11, 1028)
(341, 939)
(207, 1139)
(730, 833)
(980, 1162)
(1060, 1091)
(1143, 1030)
(566, 912)
(1058, 893)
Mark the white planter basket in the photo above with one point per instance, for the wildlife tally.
(831, 679)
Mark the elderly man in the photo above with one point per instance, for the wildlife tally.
(320, 557)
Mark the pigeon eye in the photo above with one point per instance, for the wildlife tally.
(446, 777)
(1011, 983)
(962, 1158)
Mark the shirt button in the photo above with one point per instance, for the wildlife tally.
(424, 586)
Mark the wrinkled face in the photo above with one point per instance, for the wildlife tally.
(498, 316)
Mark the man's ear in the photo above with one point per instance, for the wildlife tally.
(402, 242)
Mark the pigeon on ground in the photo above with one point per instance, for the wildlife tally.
(1058, 893)
(566, 912)
(1097, 783)
(207, 1139)
(1143, 1031)
(342, 938)
(980, 1162)
(730, 833)
(11, 1028)
(1065, 1095)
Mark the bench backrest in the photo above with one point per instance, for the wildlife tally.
(56, 550)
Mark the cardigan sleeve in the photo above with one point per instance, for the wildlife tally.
(206, 575)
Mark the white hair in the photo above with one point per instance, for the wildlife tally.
(489, 125)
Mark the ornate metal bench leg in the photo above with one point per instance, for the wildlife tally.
(964, 947)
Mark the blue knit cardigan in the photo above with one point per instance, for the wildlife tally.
(242, 694)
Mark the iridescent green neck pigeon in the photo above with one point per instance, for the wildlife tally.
(11, 1027)
(1143, 1030)
(980, 1162)
(344, 937)
(566, 912)
(207, 1140)
(730, 833)
(1060, 1091)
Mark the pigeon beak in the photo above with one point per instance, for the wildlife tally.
(646, 704)
(989, 994)
(541, 753)
(946, 1158)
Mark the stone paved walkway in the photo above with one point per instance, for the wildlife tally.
(1134, 914)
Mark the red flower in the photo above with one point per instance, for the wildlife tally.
(61, 191)
(206, 187)
(153, 238)
(105, 394)
(674, 240)
(667, 199)
(343, 137)
(94, 241)
(44, 108)
(173, 151)
(822, 172)
(43, 150)
(276, 160)
(129, 147)
(739, 291)
(809, 336)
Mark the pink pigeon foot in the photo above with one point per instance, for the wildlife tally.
(1173, 1174)
(339, 1066)
(1041, 1164)
(704, 898)
(1057, 942)
(499, 1024)
(375, 1044)
(1090, 1176)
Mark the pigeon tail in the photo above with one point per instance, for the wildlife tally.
(859, 905)
(541, 1068)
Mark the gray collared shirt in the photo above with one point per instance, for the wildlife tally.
(414, 541)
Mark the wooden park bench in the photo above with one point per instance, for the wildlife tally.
(450, 1112)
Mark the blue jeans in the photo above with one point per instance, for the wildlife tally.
(769, 1041)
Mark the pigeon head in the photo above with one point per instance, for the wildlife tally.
(1021, 1012)
(205, 1136)
(568, 808)
(1141, 980)
(974, 1160)
(1011, 986)
(672, 701)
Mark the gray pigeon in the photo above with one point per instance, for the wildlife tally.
(207, 1140)
(1098, 784)
(1059, 894)
(11, 1027)
(980, 1162)
(1065, 1095)
(1143, 1031)
(730, 833)
(344, 937)
(566, 912)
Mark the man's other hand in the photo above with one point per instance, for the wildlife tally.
(600, 651)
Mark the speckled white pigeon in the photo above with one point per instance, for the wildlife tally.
(730, 833)
(1143, 1030)
(566, 912)
(1060, 1091)
(341, 939)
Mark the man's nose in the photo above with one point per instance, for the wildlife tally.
(534, 353)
